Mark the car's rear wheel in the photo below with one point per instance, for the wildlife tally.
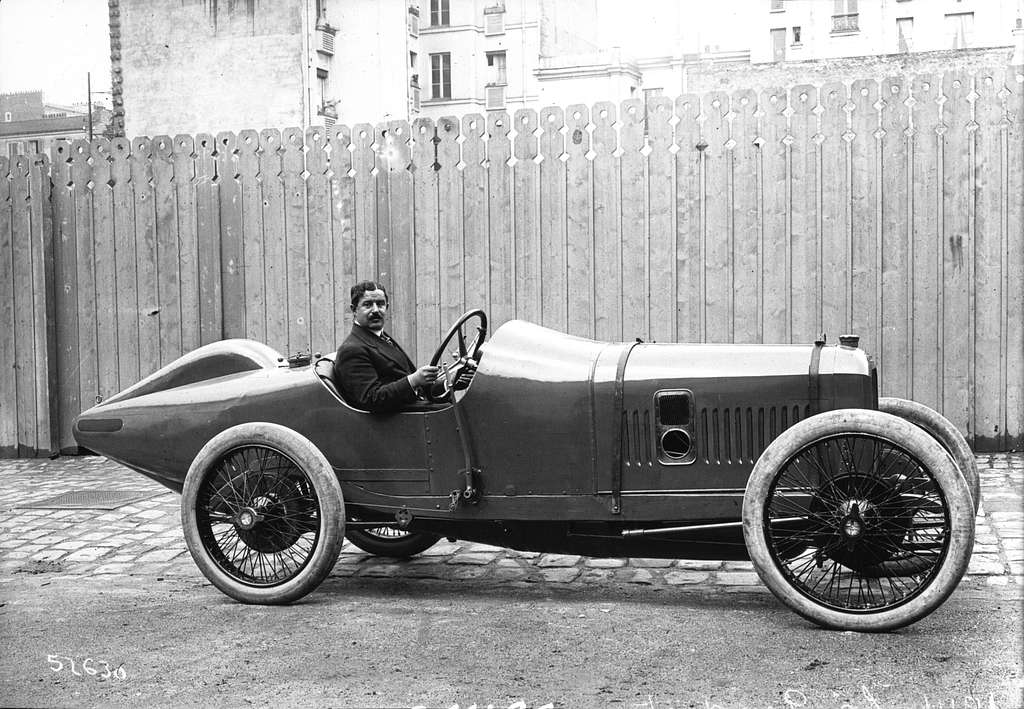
(942, 430)
(858, 520)
(263, 514)
(390, 541)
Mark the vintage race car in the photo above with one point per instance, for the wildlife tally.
(857, 513)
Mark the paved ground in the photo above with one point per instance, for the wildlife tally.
(145, 539)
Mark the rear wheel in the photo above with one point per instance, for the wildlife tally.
(858, 520)
(390, 541)
(263, 514)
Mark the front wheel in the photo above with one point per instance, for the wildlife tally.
(263, 514)
(858, 520)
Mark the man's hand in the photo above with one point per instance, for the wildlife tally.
(424, 376)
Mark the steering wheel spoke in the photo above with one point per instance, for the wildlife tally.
(466, 356)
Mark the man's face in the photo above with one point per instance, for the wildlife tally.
(371, 309)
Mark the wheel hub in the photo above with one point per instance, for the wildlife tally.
(247, 518)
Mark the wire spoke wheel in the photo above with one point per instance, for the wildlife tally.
(877, 525)
(263, 514)
(390, 541)
(858, 520)
(258, 516)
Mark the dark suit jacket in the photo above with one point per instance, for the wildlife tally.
(372, 374)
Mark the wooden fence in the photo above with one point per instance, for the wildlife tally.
(891, 208)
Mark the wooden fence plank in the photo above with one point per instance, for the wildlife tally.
(107, 349)
(125, 310)
(383, 205)
(66, 292)
(746, 223)
(957, 247)
(1014, 105)
(552, 290)
(364, 162)
(499, 223)
(926, 243)
(86, 281)
(297, 254)
(450, 221)
(275, 269)
(865, 196)
(43, 312)
(23, 332)
(252, 256)
(661, 250)
(8, 353)
(835, 263)
(805, 234)
(607, 224)
(895, 240)
(402, 284)
(526, 185)
(232, 263)
(776, 248)
(689, 303)
(428, 247)
(635, 294)
(579, 212)
(321, 251)
(343, 235)
(989, 258)
(147, 258)
(476, 245)
(211, 317)
(718, 236)
(188, 244)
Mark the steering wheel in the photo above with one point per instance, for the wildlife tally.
(466, 354)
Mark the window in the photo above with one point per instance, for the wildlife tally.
(439, 13)
(779, 44)
(321, 80)
(441, 75)
(905, 33)
(321, 12)
(412, 60)
(496, 62)
(34, 145)
(414, 21)
(796, 35)
(494, 20)
(959, 29)
(844, 18)
(7, 117)
(777, 6)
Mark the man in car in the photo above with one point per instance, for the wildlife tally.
(370, 368)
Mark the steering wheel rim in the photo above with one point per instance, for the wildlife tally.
(465, 353)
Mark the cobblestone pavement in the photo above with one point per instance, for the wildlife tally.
(145, 539)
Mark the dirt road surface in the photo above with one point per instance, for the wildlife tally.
(385, 642)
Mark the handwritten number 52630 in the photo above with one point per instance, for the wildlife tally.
(88, 666)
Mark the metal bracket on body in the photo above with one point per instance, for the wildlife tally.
(814, 375)
(471, 492)
(618, 394)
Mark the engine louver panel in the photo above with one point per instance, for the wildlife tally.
(739, 436)
(636, 437)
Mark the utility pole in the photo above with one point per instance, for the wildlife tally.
(88, 108)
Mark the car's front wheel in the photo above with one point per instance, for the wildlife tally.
(858, 520)
(263, 514)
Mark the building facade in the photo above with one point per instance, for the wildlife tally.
(191, 66)
(29, 125)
